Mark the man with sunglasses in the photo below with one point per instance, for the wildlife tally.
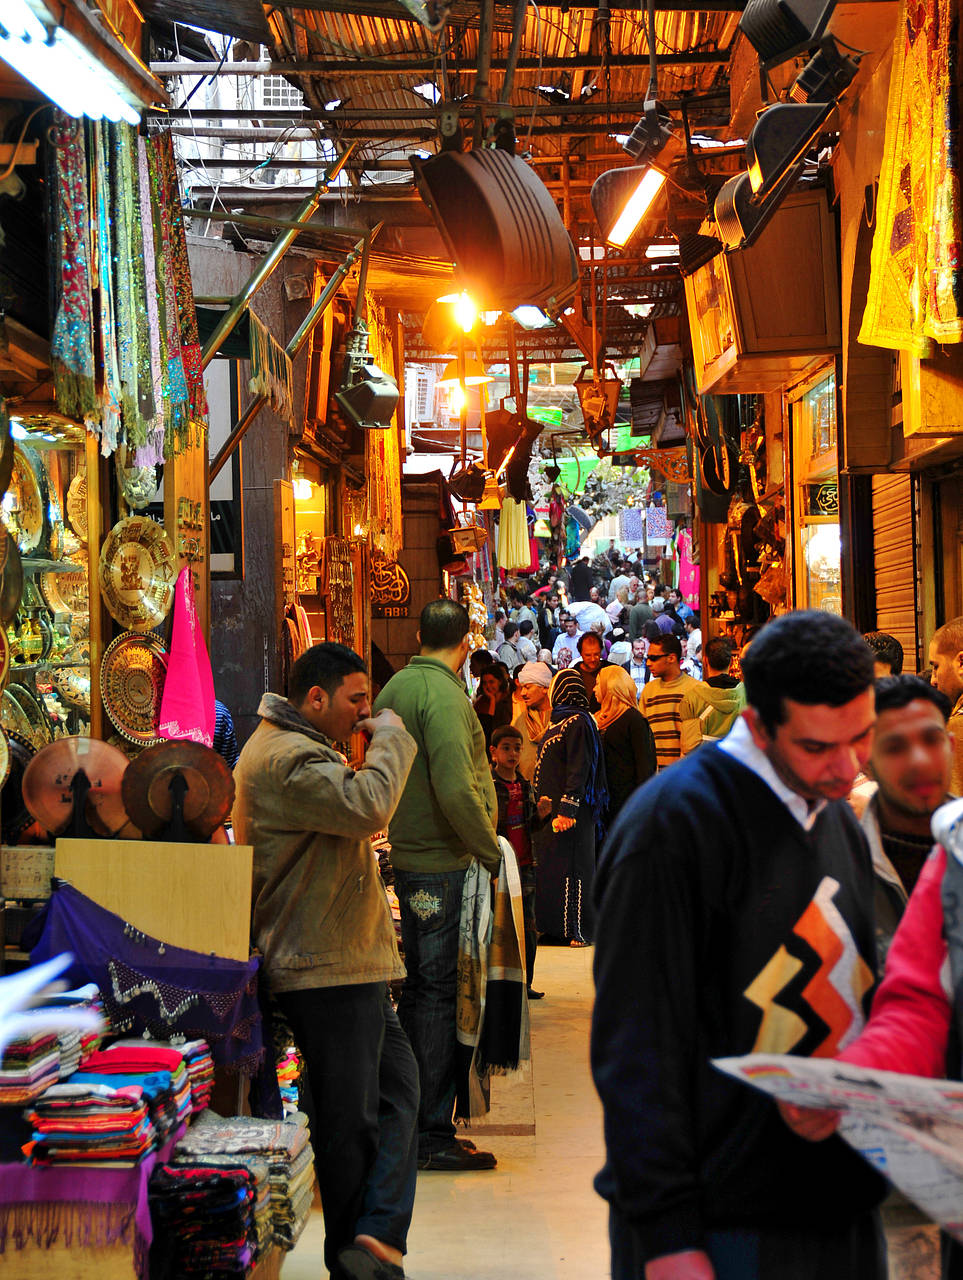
(660, 698)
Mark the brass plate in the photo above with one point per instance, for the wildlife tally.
(25, 518)
(4, 758)
(131, 684)
(11, 578)
(209, 795)
(138, 569)
(4, 656)
(47, 779)
(32, 706)
(77, 505)
(67, 592)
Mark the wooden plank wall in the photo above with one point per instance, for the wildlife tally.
(893, 559)
(397, 637)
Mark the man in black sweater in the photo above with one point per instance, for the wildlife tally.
(735, 899)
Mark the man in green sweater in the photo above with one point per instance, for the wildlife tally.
(445, 818)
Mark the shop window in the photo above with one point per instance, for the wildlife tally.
(815, 495)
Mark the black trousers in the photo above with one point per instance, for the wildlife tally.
(854, 1252)
(363, 1110)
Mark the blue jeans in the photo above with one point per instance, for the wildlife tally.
(362, 1110)
(430, 914)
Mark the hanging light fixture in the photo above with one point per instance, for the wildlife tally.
(449, 316)
(60, 67)
(474, 374)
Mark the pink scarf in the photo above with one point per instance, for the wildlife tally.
(187, 704)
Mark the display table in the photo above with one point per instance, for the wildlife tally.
(64, 1222)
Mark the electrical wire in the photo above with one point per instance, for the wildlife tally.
(538, 72)
(19, 143)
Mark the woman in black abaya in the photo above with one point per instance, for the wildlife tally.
(570, 790)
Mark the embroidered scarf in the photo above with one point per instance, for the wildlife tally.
(71, 343)
(133, 333)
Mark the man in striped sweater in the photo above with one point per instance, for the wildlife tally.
(660, 698)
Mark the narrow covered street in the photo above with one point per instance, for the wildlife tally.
(535, 1217)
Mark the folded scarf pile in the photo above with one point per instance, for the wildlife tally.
(289, 1072)
(76, 1045)
(200, 1070)
(196, 1058)
(29, 1066)
(87, 1120)
(206, 1217)
(159, 1070)
(283, 1144)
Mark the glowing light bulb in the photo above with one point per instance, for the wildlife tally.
(457, 399)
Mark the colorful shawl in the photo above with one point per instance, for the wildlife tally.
(72, 342)
(132, 329)
(187, 403)
(492, 1026)
(151, 453)
(271, 371)
(106, 421)
(915, 290)
(187, 704)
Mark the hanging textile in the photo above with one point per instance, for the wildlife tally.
(658, 527)
(130, 292)
(151, 453)
(105, 421)
(186, 416)
(630, 521)
(514, 548)
(72, 342)
(688, 568)
(382, 449)
(915, 289)
(272, 374)
(187, 704)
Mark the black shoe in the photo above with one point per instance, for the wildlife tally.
(456, 1159)
(355, 1262)
(535, 995)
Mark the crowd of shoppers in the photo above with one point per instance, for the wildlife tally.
(743, 837)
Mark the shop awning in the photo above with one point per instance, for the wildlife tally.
(243, 18)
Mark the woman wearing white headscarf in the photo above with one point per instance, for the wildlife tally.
(532, 711)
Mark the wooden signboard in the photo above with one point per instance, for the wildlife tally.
(196, 896)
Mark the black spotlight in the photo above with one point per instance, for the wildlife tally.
(779, 141)
(367, 397)
(827, 75)
(779, 29)
(652, 134)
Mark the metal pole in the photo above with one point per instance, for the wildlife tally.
(269, 262)
(292, 349)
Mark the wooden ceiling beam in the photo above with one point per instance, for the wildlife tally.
(403, 64)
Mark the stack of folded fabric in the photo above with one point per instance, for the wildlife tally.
(29, 1065)
(283, 1144)
(160, 1071)
(209, 1217)
(289, 1072)
(200, 1069)
(85, 1122)
(76, 1045)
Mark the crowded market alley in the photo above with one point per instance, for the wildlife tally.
(535, 1217)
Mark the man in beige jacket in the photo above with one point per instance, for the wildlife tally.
(322, 923)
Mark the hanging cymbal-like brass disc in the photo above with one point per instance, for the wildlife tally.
(210, 787)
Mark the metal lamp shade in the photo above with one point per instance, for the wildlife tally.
(501, 227)
(779, 29)
(369, 402)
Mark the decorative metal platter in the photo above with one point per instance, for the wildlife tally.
(77, 505)
(23, 504)
(4, 758)
(137, 484)
(138, 569)
(65, 590)
(11, 578)
(131, 683)
(14, 719)
(31, 704)
(207, 800)
(47, 791)
(4, 656)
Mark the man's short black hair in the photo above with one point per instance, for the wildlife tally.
(526, 628)
(324, 665)
(895, 692)
(695, 619)
(509, 629)
(670, 643)
(886, 648)
(479, 660)
(590, 635)
(809, 656)
(505, 731)
(443, 624)
(717, 653)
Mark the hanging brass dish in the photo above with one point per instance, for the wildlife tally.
(132, 678)
(138, 569)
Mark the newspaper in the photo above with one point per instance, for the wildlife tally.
(909, 1128)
